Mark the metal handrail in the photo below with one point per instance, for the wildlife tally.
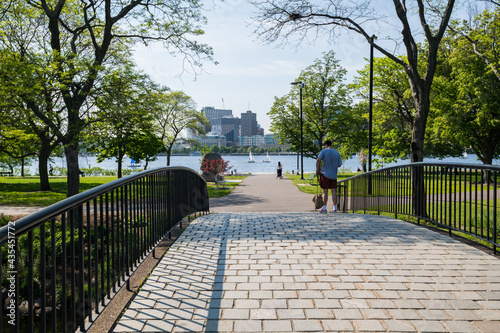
(71, 257)
(457, 197)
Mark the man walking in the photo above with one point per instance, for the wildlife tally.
(328, 173)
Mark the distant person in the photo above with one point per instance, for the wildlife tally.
(328, 173)
(279, 171)
(51, 169)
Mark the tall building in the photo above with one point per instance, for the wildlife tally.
(248, 123)
(228, 127)
(212, 113)
(260, 130)
(210, 141)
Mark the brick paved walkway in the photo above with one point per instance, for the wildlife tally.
(306, 272)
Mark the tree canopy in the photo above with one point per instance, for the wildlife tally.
(125, 120)
(467, 94)
(79, 41)
(289, 21)
(176, 114)
(326, 108)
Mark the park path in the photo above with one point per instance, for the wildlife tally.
(264, 193)
(16, 211)
(265, 261)
(311, 272)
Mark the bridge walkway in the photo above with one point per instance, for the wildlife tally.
(265, 262)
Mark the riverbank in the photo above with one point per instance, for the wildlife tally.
(238, 163)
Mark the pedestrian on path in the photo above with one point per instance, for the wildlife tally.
(328, 173)
(279, 171)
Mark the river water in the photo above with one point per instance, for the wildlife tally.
(239, 163)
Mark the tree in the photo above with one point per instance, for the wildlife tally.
(125, 125)
(81, 35)
(17, 145)
(326, 109)
(176, 113)
(215, 167)
(285, 20)
(7, 162)
(394, 112)
(468, 99)
(393, 108)
(27, 88)
(145, 147)
(482, 34)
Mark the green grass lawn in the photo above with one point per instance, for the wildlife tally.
(215, 191)
(311, 187)
(25, 191)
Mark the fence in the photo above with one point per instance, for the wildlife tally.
(460, 198)
(62, 265)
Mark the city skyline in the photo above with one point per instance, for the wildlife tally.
(222, 122)
(249, 75)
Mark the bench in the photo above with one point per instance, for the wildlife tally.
(311, 178)
(6, 174)
(218, 180)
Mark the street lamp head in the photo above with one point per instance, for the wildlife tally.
(299, 83)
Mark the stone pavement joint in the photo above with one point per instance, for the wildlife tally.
(306, 272)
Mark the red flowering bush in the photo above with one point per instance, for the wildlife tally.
(215, 167)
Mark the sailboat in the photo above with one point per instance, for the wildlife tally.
(251, 159)
(267, 160)
(133, 164)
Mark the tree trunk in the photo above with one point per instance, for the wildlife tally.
(421, 96)
(43, 158)
(73, 167)
(22, 166)
(169, 152)
(120, 167)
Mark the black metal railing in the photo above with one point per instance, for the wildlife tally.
(460, 198)
(62, 265)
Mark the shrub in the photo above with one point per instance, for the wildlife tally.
(215, 167)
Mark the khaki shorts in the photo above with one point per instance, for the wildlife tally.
(327, 183)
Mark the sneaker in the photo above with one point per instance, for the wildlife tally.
(334, 211)
(323, 211)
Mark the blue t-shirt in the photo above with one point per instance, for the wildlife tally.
(331, 162)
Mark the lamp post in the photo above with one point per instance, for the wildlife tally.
(372, 38)
(370, 115)
(301, 85)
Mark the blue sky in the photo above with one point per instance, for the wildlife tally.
(249, 74)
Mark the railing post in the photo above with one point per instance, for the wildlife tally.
(1, 305)
(495, 221)
(42, 281)
(81, 268)
(30, 281)
(16, 276)
(450, 199)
